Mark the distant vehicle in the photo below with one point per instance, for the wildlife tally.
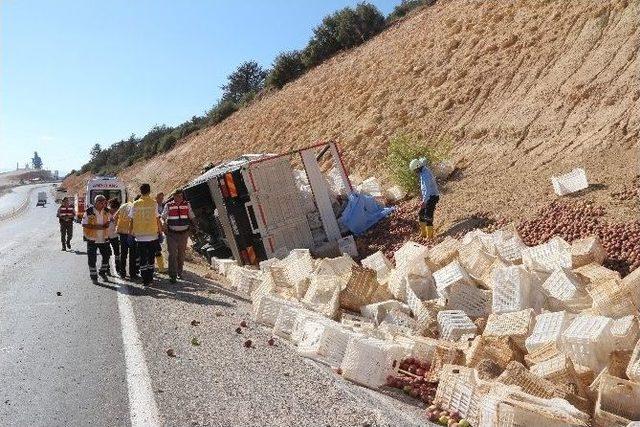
(109, 186)
(79, 206)
(42, 198)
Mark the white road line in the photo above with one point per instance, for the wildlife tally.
(142, 404)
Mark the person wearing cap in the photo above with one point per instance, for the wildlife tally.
(177, 218)
(146, 228)
(430, 196)
(65, 215)
(95, 224)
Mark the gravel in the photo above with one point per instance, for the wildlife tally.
(221, 383)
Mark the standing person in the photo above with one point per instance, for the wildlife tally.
(159, 257)
(177, 218)
(95, 224)
(127, 242)
(430, 196)
(65, 215)
(146, 228)
(113, 238)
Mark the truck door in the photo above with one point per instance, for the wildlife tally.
(276, 203)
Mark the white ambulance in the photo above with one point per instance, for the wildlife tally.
(109, 186)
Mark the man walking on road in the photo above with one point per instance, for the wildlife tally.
(65, 216)
(177, 218)
(146, 228)
(95, 224)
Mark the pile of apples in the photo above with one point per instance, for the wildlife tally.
(437, 414)
(411, 379)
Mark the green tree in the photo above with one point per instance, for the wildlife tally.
(95, 152)
(248, 78)
(287, 67)
(36, 161)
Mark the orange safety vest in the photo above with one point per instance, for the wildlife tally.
(91, 213)
(66, 213)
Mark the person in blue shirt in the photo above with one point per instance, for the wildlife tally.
(430, 196)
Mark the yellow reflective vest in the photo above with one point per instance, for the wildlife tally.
(123, 222)
(91, 214)
(145, 217)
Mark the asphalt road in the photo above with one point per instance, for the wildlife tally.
(97, 355)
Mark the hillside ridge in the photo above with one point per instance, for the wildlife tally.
(524, 89)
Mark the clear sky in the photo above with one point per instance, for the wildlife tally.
(73, 73)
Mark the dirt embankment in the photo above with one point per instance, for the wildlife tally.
(524, 89)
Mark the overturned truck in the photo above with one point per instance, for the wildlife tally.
(260, 206)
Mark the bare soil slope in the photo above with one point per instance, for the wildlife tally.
(525, 90)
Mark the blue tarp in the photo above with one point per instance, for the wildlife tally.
(362, 212)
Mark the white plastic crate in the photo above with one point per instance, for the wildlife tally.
(548, 329)
(587, 251)
(398, 322)
(455, 324)
(472, 300)
(612, 299)
(443, 253)
(633, 368)
(559, 370)
(547, 256)
(302, 316)
(477, 263)
(451, 274)
(511, 286)
(631, 282)
(379, 310)
(397, 284)
(395, 194)
(245, 280)
(567, 289)
(267, 309)
(570, 182)
(588, 341)
(323, 294)
(370, 186)
(369, 361)
(411, 258)
(264, 265)
(284, 324)
(224, 266)
(325, 341)
(517, 325)
(379, 263)
(457, 393)
(338, 266)
(357, 323)
(617, 403)
(511, 249)
(624, 332)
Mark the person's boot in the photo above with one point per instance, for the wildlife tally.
(423, 230)
(429, 231)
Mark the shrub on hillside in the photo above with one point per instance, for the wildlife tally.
(341, 30)
(220, 111)
(405, 147)
(407, 6)
(287, 67)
